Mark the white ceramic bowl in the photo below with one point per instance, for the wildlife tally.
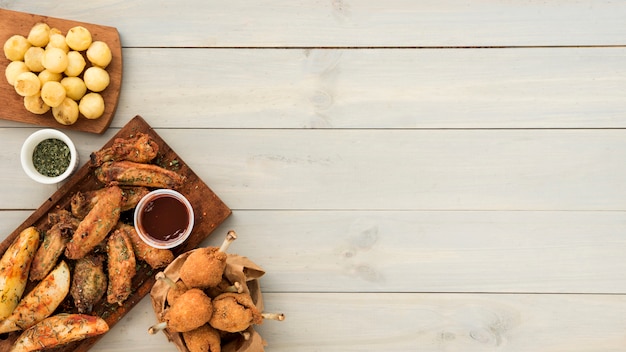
(31, 143)
(162, 218)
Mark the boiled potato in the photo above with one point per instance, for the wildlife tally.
(53, 93)
(34, 59)
(46, 76)
(75, 87)
(75, 64)
(27, 84)
(14, 68)
(39, 34)
(57, 40)
(55, 60)
(96, 79)
(36, 105)
(15, 47)
(66, 113)
(99, 54)
(91, 106)
(78, 38)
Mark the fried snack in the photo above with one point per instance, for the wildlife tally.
(52, 246)
(204, 267)
(155, 257)
(190, 311)
(176, 288)
(128, 173)
(89, 282)
(141, 149)
(96, 225)
(203, 339)
(121, 267)
(82, 202)
(234, 312)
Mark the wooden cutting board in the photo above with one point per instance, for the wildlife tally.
(13, 22)
(209, 212)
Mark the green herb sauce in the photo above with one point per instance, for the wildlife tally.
(51, 157)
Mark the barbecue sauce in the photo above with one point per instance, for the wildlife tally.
(164, 218)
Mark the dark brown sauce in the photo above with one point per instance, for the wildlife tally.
(164, 218)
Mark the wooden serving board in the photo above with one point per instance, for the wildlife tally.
(13, 22)
(209, 212)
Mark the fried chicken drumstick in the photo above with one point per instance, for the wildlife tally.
(203, 339)
(190, 311)
(204, 267)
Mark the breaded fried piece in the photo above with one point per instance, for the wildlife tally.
(155, 257)
(128, 173)
(141, 148)
(82, 202)
(233, 312)
(121, 267)
(50, 250)
(190, 311)
(203, 339)
(203, 268)
(89, 282)
(96, 225)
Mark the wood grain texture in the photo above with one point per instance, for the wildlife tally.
(13, 105)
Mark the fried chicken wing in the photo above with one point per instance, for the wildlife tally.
(203, 339)
(128, 173)
(96, 225)
(82, 202)
(50, 250)
(141, 148)
(89, 282)
(155, 257)
(121, 267)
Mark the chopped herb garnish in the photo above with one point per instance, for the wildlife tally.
(51, 157)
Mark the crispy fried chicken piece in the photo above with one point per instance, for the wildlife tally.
(89, 282)
(121, 267)
(203, 339)
(190, 311)
(141, 148)
(63, 216)
(234, 312)
(205, 266)
(96, 225)
(155, 257)
(176, 288)
(82, 202)
(128, 173)
(49, 251)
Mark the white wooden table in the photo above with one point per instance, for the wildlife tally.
(437, 175)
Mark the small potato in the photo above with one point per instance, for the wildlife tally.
(36, 105)
(75, 64)
(34, 59)
(66, 113)
(91, 106)
(15, 47)
(96, 79)
(75, 87)
(78, 38)
(27, 84)
(39, 34)
(14, 68)
(47, 76)
(53, 93)
(99, 54)
(55, 60)
(57, 40)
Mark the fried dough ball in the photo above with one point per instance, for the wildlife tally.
(27, 84)
(78, 38)
(55, 60)
(203, 339)
(53, 93)
(36, 105)
(57, 40)
(205, 266)
(66, 113)
(99, 54)
(91, 106)
(234, 312)
(15, 47)
(33, 58)
(39, 34)
(96, 79)
(74, 88)
(190, 311)
(14, 68)
(75, 64)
